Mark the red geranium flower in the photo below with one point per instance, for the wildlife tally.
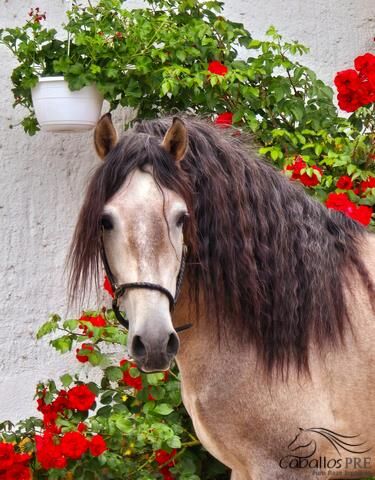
(97, 321)
(97, 445)
(362, 214)
(162, 457)
(342, 203)
(344, 183)
(135, 382)
(48, 454)
(7, 455)
(51, 411)
(349, 102)
(224, 119)
(338, 201)
(347, 81)
(371, 81)
(107, 286)
(81, 427)
(17, 472)
(218, 68)
(365, 64)
(166, 474)
(298, 165)
(74, 445)
(369, 183)
(366, 93)
(84, 358)
(80, 398)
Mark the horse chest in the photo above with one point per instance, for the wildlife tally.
(208, 431)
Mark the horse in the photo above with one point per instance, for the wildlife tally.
(278, 293)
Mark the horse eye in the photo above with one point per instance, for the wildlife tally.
(182, 219)
(106, 222)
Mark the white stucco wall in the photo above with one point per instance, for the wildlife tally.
(42, 180)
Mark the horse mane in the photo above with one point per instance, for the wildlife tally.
(273, 264)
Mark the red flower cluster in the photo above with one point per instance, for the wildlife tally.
(224, 119)
(135, 382)
(48, 453)
(163, 457)
(55, 452)
(344, 183)
(166, 474)
(97, 445)
(356, 88)
(73, 445)
(79, 352)
(167, 459)
(97, 321)
(52, 410)
(342, 203)
(80, 398)
(36, 15)
(369, 183)
(298, 166)
(218, 68)
(13, 466)
(107, 286)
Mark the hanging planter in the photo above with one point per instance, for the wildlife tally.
(59, 109)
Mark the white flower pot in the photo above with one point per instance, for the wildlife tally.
(58, 109)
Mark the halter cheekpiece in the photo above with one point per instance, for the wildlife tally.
(119, 290)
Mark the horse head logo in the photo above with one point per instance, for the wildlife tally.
(304, 445)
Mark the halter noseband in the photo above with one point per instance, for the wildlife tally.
(119, 290)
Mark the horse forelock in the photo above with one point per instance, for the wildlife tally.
(272, 263)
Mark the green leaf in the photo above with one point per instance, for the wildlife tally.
(174, 442)
(124, 424)
(66, 379)
(70, 324)
(48, 327)
(318, 149)
(62, 344)
(154, 378)
(95, 357)
(351, 169)
(163, 409)
(134, 372)
(113, 373)
(106, 398)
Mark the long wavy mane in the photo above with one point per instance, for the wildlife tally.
(272, 263)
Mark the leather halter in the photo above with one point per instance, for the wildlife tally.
(119, 290)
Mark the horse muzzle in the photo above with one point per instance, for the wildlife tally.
(154, 352)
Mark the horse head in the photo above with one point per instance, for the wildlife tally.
(142, 232)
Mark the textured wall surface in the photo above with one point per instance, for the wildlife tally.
(43, 177)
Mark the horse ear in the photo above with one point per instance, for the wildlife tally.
(176, 139)
(105, 135)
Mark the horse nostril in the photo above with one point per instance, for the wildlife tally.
(173, 344)
(138, 347)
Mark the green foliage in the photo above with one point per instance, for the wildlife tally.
(156, 59)
(136, 419)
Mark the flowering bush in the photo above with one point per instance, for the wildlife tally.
(182, 55)
(126, 424)
(356, 88)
